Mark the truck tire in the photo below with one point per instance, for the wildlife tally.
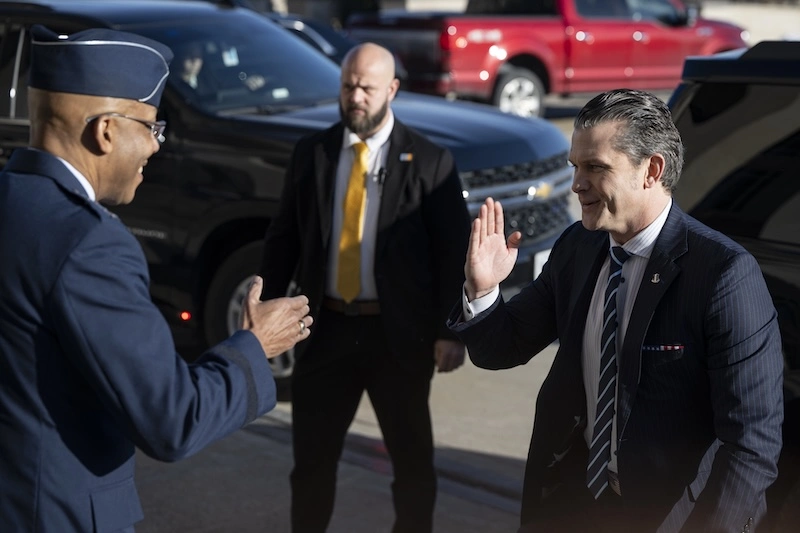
(519, 92)
(223, 307)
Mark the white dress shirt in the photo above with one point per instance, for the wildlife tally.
(378, 146)
(640, 248)
(81, 179)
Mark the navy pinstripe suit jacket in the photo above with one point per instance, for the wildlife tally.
(699, 429)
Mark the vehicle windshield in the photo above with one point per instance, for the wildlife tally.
(244, 64)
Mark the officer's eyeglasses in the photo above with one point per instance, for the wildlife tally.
(156, 128)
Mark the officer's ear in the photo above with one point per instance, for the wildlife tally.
(100, 134)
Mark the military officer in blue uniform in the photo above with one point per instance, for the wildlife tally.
(88, 368)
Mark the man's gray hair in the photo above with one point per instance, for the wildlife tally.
(648, 128)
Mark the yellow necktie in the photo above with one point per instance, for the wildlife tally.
(349, 279)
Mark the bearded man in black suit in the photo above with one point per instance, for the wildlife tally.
(373, 228)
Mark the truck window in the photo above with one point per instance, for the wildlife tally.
(512, 7)
(658, 10)
(615, 9)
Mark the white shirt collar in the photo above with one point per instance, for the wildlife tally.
(642, 243)
(376, 141)
(81, 179)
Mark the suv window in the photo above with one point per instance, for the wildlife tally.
(241, 68)
(743, 153)
(13, 102)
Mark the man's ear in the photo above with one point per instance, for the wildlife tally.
(655, 170)
(101, 133)
(393, 88)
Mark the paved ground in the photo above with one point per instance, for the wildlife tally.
(241, 485)
(482, 421)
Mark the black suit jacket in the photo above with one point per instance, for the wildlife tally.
(423, 231)
(699, 429)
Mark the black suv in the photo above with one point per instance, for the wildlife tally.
(241, 92)
(739, 116)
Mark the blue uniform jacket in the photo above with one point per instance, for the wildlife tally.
(88, 368)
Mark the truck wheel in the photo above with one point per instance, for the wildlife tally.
(223, 307)
(519, 92)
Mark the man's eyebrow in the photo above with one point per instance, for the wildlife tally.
(350, 84)
(589, 161)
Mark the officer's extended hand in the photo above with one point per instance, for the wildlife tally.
(279, 323)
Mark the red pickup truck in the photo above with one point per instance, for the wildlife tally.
(511, 53)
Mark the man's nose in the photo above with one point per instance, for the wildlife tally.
(578, 184)
(357, 95)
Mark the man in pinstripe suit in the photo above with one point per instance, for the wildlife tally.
(695, 389)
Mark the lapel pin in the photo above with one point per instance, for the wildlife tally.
(406, 156)
(656, 278)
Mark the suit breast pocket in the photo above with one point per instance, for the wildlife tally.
(661, 354)
(671, 376)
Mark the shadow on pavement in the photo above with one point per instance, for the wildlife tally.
(241, 484)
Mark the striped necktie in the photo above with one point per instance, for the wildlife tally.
(348, 281)
(600, 449)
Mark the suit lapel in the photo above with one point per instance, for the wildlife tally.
(589, 258)
(399, 171)
(588, 261)
(326, 160)
(659, 274)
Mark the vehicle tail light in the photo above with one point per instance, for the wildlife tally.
(446, 38)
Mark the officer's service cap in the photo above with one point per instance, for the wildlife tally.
(99, 62)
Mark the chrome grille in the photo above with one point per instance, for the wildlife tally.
(539, 220)
(535, 195)
(489, 177)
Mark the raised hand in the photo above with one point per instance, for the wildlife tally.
(490, 258)
(279, 323)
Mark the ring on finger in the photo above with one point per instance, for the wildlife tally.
(302, 325)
